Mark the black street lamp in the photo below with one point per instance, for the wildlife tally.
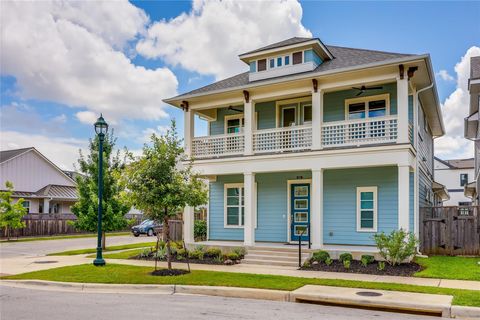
(101, 128)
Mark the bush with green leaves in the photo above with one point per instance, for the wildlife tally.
(232, 256)
(181, 254)
(396, 247)
(200, 230)
(328, 261)
(367, 259)
(196, 254)
(346, 264)
(240, 251)
(381, 265)
(160, 254)
(145, 253)
(345, 257)
(213, 253)
(320, 256)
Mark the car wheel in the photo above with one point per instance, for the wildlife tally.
(150, 232)
(136, 234)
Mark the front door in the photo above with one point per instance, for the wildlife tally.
(300, 211)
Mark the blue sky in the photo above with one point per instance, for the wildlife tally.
(57, 75)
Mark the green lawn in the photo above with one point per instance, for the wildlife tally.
(73, 236)
(125, 274)
(120, 255)
(460, 268)
(111, 248)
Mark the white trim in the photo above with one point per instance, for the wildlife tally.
(365, 100)
(289, 211)
(375, 208)
(225, 187)
(240, 116)
(280, 103)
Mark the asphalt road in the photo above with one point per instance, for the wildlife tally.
(30, 304)
(41, 248)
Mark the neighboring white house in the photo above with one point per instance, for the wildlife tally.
(43, 185)
(455, 175)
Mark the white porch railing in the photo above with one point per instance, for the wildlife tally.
(283, 139)
(218, 145)
(359, 132)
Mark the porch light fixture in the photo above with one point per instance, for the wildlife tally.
(101, 129)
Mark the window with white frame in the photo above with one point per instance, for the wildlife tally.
(367, 209)
(367, 107)
(26, 205)
(234, 123)
(234, 205)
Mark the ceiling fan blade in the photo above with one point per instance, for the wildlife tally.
(357, 88)
(373, 88)
(359, 93)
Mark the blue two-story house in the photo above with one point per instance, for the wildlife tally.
(324, 143)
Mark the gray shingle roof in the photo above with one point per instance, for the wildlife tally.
(9, 154)
(475, 67)
(344, 58)
(280, 44)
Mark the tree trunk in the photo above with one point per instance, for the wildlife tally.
(156, 251)
(104, 240)
(166, 232)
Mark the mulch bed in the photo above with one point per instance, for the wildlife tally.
(166, 272)
(404, 269)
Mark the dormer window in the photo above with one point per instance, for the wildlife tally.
(287, 60)
(297, 57)
(272, 63)
(279, 61)
(262, 65)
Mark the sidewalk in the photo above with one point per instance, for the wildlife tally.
(22, 265)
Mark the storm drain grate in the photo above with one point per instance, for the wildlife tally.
(368, 294)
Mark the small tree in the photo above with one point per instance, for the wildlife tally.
(11, 214)
(114, 208)
(397, 246)
(158, 184)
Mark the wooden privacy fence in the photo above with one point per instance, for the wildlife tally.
(44, 224)
(176, 230)
(450, 230)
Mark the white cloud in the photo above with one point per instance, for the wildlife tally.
(147, 133)
(209, 38)
(444, 75)
(86, 117)
(61, 151)
(70, 53)
(455, 109)
(62, 118)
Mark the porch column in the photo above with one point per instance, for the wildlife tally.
(317, 119)
(188, 131)
(188, 222)
(46, 205)
(250, 209)
(249, 114)
(403, 197)
(316, 209)
(402, 110)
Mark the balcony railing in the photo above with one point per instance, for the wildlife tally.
(218, 145)
(359, 132)
(283, 139)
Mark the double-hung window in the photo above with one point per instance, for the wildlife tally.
(367, 209)
(234, 123)
(26, 205)
(463, 179)
(367, 107)
(234, 205)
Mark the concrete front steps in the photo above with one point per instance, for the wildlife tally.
(274, 256)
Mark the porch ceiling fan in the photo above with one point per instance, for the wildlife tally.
(234, 109)
(362, 89)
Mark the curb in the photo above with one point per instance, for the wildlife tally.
(465, 312)
(234, 292)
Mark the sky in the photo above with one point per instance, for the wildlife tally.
(64, 63)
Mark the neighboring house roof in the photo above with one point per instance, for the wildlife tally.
(58, 192)
(6, 155)
(458, 163)
(440, 190)
(344, 58)
(475, 68)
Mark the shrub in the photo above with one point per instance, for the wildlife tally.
(240, 251)
(307, 264)
(196, 254)
(320, 256)
(397, 246)
(161, 244)
(181, 254)
(328, 261)
(367, 259)
(200, 230)
(213, 253)
(345, 257)
(145, 253)
(200, 247)
(232, 256)
(381, 265)
(161, 253)
(346, 264)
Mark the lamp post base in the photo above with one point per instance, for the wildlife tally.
(99, 262)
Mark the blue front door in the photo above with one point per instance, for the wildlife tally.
(300, 211)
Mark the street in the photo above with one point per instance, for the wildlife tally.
(53, 305)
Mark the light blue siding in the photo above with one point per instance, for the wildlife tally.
(310, 55)
(253, 66)
(218, 126)
(411, 202)
(339, 208)
(334, 102)
(424, 188)
(266, 115)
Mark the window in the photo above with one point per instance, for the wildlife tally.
(307, 113)
(297, 57)
(279, 61)
(367, 107)
(234, 205)
(234, 123)
(377, 108)
(289, 116)
(356, 111)
(262, 65)
(55, 208)
(26, 205)
(287, 60)
(272, 63)
(463, 179)
(367, 209)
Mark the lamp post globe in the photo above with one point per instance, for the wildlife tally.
(101, 129)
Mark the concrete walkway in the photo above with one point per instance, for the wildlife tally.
(22, 265)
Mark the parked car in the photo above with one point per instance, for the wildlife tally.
(147, 227)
